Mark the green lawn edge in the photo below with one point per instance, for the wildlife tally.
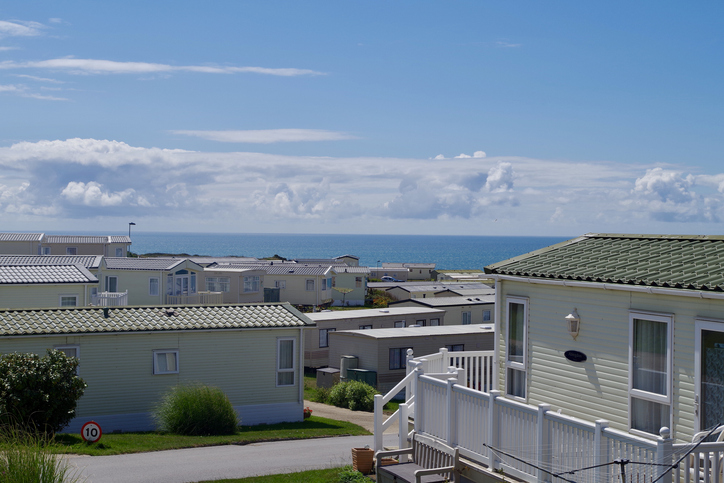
(127, 443)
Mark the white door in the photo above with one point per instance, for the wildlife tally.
(709, 354)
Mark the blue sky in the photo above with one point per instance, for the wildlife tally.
(479, 118)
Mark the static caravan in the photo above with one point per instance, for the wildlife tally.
(130, 356)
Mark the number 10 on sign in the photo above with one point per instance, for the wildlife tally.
(91, 432)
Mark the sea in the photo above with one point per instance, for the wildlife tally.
(447, 252)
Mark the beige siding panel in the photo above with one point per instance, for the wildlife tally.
(598, 388)
(119, 368)
(40, 296)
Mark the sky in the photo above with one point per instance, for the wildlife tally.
(408, 117)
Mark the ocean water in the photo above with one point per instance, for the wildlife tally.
(448, 252)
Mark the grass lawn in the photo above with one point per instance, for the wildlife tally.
(122, 443)
(329, 475)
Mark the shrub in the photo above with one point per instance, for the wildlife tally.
(27, 458)
(196, 410)
(37, 393)
(355, 395)
(350, 475)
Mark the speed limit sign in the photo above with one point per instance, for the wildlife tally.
(91, 432)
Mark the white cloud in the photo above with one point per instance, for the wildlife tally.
(463, 156)
(5, 48)
(500, 178)
(55, 20)
(479, 154)
(267, 136)
(39, 79)
(89, 178)
(507, 45)
(20, 29)
(23, 91)
(100, 66)
(439, 156)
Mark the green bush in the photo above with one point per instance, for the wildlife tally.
(354, 395)
(321, 395)
(196, 410)
(350, 475)
(37, 393)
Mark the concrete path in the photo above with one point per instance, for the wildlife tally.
(231, 461)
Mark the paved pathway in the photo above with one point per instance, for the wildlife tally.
(232, 461)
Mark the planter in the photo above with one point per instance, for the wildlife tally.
(362, 460)
(388, 461)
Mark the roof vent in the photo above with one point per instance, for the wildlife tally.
(291, 271)
(106, 312)
(170, 313)
(470, 300)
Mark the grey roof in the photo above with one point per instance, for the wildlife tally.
(44, 274)
(442, 285)
(87, 261)
(346, 269)
(205, 261)
(347, 256)
(408, 265)
(282, 269)
(83, 239)
(450, 301)
(90, 320)
(406, 332)
(20, 237)
(471, 292)
(368, 313)
(125, 263)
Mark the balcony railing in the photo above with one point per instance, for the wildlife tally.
(199, 298)
(533, 443)
(109, 299)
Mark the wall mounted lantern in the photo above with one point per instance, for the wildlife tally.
(573, 321)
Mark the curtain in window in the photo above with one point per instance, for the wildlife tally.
(516, 327)
(285, 361)
(649, 356)
(166, 362)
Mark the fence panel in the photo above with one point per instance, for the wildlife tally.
(471, 417)
(434, 417)
(572, 448)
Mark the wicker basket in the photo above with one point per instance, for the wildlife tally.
(362, 460)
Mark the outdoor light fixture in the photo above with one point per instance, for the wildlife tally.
(129, 228)
(573, 321)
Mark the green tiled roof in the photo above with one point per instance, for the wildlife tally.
(672, 261)
(89, 320)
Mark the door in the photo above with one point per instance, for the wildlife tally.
(709, 353)
(182, 285)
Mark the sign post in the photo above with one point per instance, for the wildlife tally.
(91, 432)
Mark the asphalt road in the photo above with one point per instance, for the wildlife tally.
(218, 462)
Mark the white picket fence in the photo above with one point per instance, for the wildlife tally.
(534, 443)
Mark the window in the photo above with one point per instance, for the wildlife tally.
(324, 284)
(334, 281)
(45, 250)
(358, 282)
(169, 284)
(324, 337)
(286, 362)
(119, 252)
(365, 327)
(455, 347)
(165, 362)
(251, 284)
(421, 323)
(153, 286)
(310, 285)
(111, 284)
(398, 358)
(649, 372)
(280, 284)
(399, 323)
(68, 300)
(71, 251)
(434, 322)
(218, 284)
(486, 315)
(467, 318)
(516, 347)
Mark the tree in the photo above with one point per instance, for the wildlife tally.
(39, 394)
(344, 291)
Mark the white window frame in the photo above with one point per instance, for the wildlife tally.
(324, 334)
(218, 284)
(358, 282)
(108, 284)
(76, 348)
(307, 283)
(71, 250)
(45, 250)
(399, 324)
(324, 285)
(434, 322)
(158, 352)
(68, 295)
(119, 252)
(293, 369)
(667, 319)
(252, 283)
(280, 284)
(151, 292)
(466, 317)
(515, 365)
